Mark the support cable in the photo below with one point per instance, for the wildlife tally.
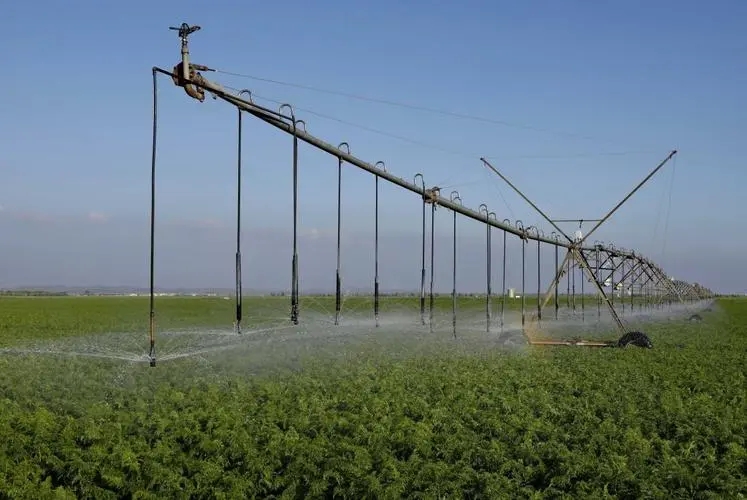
(436, 147)
(416, 107)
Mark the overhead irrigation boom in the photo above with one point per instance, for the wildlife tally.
(190, 77)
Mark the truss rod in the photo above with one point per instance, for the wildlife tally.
(631, 271)
(669, 285)
(612, 271)
(589, 272)
(631, 193)
(495, 170)
(640, 274)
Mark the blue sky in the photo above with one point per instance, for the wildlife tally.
(589, 97)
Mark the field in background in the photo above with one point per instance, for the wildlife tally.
(36, 318)
(378, 421)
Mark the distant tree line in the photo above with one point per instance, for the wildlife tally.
(32, 293)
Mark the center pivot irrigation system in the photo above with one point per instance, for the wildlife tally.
(621, 271)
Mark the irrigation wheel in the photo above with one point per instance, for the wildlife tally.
(638, 339)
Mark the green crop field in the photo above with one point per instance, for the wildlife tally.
(670, 422)
(25, 318)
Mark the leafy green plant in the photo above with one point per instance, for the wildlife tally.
(559, 422)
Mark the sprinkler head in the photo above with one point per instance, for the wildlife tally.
(152, 362)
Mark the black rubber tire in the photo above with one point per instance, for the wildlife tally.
(638, 339)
